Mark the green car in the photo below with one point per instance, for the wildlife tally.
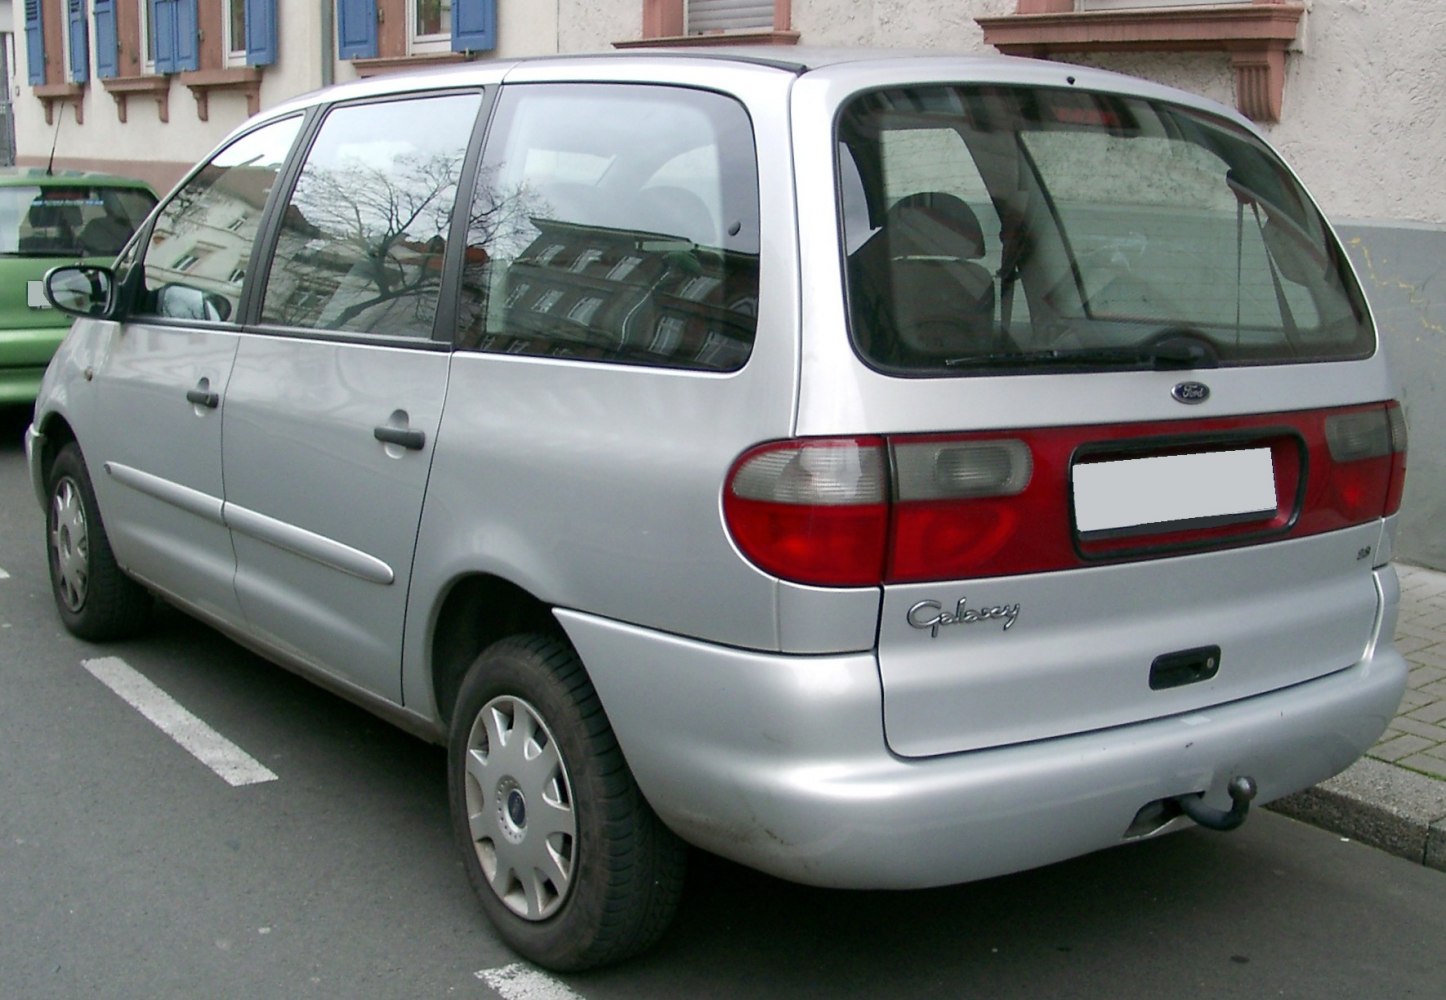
(48, 219)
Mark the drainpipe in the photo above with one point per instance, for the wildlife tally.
(328, 43)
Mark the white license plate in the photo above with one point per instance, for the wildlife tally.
(35, 295)
(1174, 489)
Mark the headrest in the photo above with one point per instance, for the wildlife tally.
(932, 222)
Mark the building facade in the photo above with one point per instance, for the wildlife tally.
(1350, 90)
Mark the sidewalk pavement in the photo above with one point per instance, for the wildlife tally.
(1395, 797)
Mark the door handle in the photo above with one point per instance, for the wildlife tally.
(204, 397)
(407, 438)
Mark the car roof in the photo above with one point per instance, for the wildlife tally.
(721, 61)
(42, 177)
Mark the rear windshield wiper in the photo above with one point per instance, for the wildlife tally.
(1167, 351)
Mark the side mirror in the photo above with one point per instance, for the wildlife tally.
(186, 302)
(81, 290)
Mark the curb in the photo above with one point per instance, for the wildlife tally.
(1379, 804)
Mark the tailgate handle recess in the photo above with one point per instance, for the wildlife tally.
(1189, 666)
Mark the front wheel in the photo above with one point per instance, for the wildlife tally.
(96, 600)
(571, 864)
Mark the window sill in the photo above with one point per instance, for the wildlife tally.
(1254, 35)
(122, 88)
(203, 82)
(51, 94)
(396, 64)
(717, 38)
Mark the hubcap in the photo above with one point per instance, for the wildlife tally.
(519, 808)
(69, 544)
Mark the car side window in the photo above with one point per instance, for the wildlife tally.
(195, 261)
(365, 232)
(615, 223)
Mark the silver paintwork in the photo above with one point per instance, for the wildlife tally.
(815, 733)
(780, 762)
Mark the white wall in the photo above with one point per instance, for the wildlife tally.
(1364, 118)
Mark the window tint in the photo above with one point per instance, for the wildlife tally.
(615, 224)
(201, 243)
(364, 235)
(70, 221)
(1000, 228)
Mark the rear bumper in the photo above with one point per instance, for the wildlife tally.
(779, 762)
(20, 385)
(24, 353)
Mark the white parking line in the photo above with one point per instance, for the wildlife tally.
(520, 981)
(4, 575)
(230, 762)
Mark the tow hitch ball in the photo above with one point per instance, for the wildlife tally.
(1242, 790)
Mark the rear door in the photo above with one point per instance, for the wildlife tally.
(155, 448)
(335, 397)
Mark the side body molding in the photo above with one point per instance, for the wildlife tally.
(307, 544)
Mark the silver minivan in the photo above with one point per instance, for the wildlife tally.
(884, 471)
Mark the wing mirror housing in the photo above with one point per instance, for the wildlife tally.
(87, 290)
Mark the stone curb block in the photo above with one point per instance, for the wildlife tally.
(1378, 804)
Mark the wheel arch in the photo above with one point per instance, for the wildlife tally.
(55, 433)
(477, 611)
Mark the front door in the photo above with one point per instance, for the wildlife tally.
(161, 385)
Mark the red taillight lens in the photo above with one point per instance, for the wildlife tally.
(812, 511)
(1367, 449)
(857, 512)
(972, 506)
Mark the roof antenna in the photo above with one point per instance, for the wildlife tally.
(50, 164)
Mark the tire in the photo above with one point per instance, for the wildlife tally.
(96, 600)
(571, 864)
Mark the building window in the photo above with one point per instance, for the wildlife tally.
(1135, 4)
(146, 42)
(235, 23)
(429, 25)
(1255, 34)
(707, 22)
(704, 17)
(397, 33)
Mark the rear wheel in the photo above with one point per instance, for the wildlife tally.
(571, 864)
(96, 600)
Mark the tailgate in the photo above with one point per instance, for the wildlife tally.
(1074, 651)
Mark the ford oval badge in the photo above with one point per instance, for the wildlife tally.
(1191, 392)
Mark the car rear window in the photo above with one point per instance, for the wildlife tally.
(73, 221)
(1016, 229)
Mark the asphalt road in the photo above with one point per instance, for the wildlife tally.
(129, 869)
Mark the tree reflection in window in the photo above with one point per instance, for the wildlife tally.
(364, 236)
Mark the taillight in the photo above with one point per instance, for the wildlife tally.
(812, 511)
(974, 506)
(866, 511)
(1397, 416)
(1367, 472)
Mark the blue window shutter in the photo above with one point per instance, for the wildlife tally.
(107, 46)
(188, 48)
(260, 32)
(356, 29)
(474, 25)
(163, 32)
(34, 42)
(79, 41)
